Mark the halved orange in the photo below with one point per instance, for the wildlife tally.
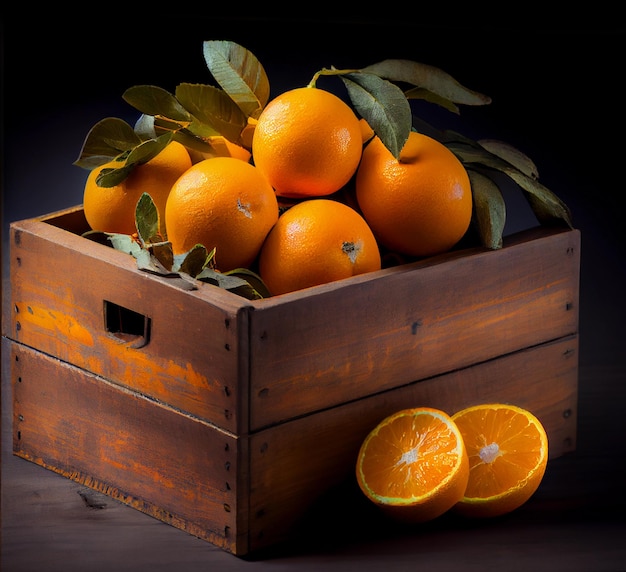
(508, 454)
(413, 464)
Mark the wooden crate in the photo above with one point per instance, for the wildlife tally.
(229, 418)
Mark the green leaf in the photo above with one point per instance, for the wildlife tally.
(105, 141)
(145, 127)
(511, 155)
(193, 142)
(217, 113)
(150, 263)
(489, 209)
(228, 282)
(429, 96)
(546, 206)
(253, 280)
(162, 125)
(142, 153)
(239, 73)
(154, 100)
(194, 261)
(112, 176)
(147, 150)
(194, 254)
(383, 105)
(125, 243)
(147, 219)
(163, 252)
(428, 77)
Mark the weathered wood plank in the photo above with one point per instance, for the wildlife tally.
(294, 464)
(383, 331)
(80, 301)
(164, 463)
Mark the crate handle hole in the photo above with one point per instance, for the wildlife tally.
(126, 325)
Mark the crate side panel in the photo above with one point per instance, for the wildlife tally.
(310, 353)
(295, 464)
(80, 301)
(174, 467)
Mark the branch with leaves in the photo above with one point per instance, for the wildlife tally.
(198, 115)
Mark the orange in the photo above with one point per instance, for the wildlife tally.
(308, 142)
(222, 147)
(222, 203)
(413, 464)
(508, 453)
(112, 209)
(314, 242)
(366, 131)
(419, 205)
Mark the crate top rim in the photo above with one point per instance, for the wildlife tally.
(511, 240)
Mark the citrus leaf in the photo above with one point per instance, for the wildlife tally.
(428, 77)
(191, 141)
(383, 105)
(198, 249)
(145, 127)
(429, 96)
(512, 155)
(489, 209)
(163, 252)
(112, 176)
(239, 73)
(150, 263)
(470, 152)
(147, 219)
(106, 140)
(254, 281)
(214, 109)
(547, 207)
(164, 125)
(154, 100)
(142, 153)
(150, 127)
(232, 283)
(124, 243)
(149, 149)
(194, 261)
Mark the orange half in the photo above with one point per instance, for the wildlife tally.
(413, 464)
(508, 455)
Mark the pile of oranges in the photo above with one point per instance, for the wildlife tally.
(317, 198)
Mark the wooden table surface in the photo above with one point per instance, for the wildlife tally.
(575, 521)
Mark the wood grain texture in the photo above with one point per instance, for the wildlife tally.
(191, 359)
(249, 492)
(295, 464)
(411, 323)
(166, 464)
(245, 365)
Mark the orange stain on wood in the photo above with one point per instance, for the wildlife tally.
(57, 324)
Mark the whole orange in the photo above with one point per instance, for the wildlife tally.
(112, 209)
(308, 142)
(419, 204)
(314, 242)
(222, 203)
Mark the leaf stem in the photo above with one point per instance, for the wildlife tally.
(329, 71)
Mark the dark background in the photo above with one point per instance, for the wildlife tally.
(556, 86)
